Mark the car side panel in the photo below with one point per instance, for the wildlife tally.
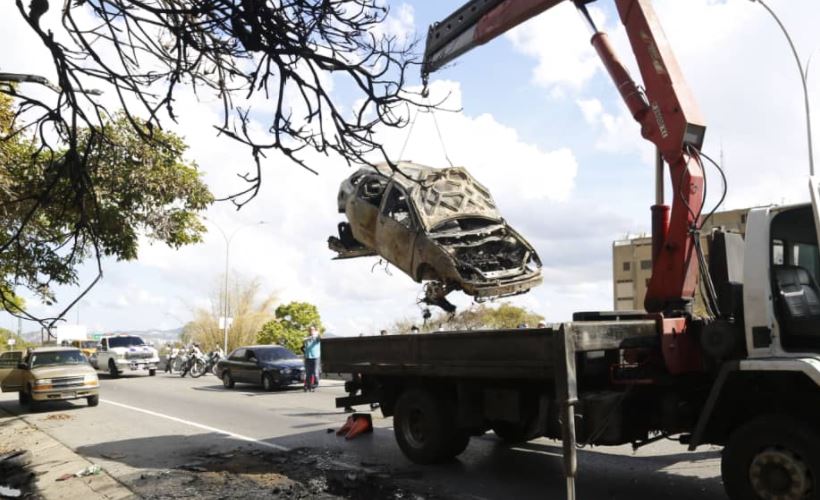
(11, 377)
(430, 254)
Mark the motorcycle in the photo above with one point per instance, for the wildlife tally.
(197, 364)
(211, 360)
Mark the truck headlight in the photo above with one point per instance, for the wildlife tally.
(91, 379)
(43, 384)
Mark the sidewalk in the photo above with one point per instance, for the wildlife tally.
(48, 459)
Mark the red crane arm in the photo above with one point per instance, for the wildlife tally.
(666, 111)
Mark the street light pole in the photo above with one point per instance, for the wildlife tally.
(803, 79)
(228, 240)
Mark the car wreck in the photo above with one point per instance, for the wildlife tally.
(439, 226)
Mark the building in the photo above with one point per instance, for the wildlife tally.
(632, 260)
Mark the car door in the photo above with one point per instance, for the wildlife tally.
(396, 229)
(234, 363)
(11, 377)
(251, 372)
(363, 210)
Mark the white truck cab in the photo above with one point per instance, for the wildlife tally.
(118, 353)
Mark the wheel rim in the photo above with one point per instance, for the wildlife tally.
(778, 474)
(413, 428)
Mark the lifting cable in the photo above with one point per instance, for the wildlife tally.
(432, 112)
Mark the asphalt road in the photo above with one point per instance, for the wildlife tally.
(150, 423)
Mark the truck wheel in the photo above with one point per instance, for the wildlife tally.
(227, 380)
(93, 400)
(424, 429)
(24, 397)
(267, 382)
(112, 369)
(772, 457)
(152, 372)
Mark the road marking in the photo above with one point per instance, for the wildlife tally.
(199, 426)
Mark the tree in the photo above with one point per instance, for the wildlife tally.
(267, 59)
(480, 317)
(290, 325)
(131, 188)
(19, 344)
(248, 308)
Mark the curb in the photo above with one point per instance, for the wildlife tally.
(49, 459)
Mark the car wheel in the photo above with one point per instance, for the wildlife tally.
(772, 457)
(93, 400)
(424, 428)
(267, 382)
(112, 369)
(152, 373)
(227, 380)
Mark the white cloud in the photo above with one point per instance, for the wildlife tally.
(559, 41)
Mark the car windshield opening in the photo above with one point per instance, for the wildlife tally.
(274, 354)
(57, 358)
(464, 224)
(124, 341)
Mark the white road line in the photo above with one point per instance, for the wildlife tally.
(199, 426)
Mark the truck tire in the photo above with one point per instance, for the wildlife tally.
(93, 400)
(510, 432)
(425, 429)
(772, 457)
(112, 369)
(24, 398)
(152, 372)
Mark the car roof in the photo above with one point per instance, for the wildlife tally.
(441, 194)
(37, 350)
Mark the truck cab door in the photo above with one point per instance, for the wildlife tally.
(11, 377)
(397, 229)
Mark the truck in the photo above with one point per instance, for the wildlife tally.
(118, 353)
(742, 374)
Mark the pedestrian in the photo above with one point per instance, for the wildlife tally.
(383, 332)
(172, 356)
(313, 353)
(542, 324)
(414, 329)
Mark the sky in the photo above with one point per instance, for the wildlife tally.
(540, 124)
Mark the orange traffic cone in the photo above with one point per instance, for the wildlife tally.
(346, 427)
(362, 423)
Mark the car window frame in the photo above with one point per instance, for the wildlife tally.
(413, 220)
(363, 182)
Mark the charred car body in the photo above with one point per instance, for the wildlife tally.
(439, 226)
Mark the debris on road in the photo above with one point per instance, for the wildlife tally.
(59, 416)
(356, 424)
(297, 474)
(91, 470)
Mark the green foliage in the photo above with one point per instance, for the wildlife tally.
(133, 187)
(480, 317)
(290, 325)
(19, 345)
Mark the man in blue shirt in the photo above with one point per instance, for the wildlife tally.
(313, 352)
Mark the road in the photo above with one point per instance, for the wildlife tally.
(146, 424)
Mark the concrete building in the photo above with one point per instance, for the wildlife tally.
(632, 260)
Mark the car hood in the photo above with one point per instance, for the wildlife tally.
(285, 363)
(55, 371)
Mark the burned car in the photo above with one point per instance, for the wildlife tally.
(439, 226)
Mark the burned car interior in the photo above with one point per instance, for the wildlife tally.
(439, 226)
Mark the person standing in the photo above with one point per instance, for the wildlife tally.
(313, 352)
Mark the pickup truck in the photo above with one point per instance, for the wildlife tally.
(118, 353)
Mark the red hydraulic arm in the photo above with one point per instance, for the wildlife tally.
(665, 109)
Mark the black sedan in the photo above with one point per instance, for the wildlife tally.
(271, 366)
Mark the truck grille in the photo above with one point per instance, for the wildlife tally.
(138, 355)
(66, 382)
